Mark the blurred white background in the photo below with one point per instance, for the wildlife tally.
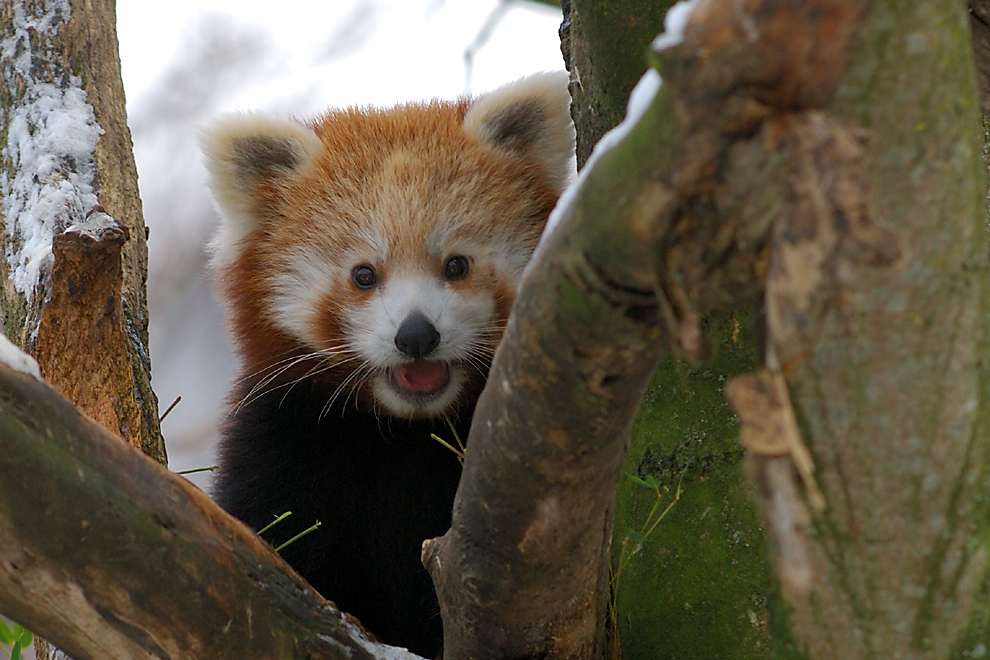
(189, 60)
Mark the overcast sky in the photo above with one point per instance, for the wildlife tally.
(352, 51)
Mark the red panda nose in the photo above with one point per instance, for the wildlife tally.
(416, 336)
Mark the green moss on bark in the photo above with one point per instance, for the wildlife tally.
(705, 566)
(605, 46)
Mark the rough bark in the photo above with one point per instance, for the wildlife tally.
(604, 47)
(893, 397)
(143, 565)
(74, 45)
(83, 308)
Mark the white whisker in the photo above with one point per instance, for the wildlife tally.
(327, 358)
(355, 379)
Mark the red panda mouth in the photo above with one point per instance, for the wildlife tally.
(421, 377)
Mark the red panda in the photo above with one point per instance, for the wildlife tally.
(369, 260)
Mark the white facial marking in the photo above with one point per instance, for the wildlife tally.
(462, 319)
(459, 318)
(298, 290)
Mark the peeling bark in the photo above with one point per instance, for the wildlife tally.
(769, 433)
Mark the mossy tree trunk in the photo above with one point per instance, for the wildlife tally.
(707, 562)
(891, 395)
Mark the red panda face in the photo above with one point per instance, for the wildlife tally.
(378, 252)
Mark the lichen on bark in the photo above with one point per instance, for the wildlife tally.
(890, 397)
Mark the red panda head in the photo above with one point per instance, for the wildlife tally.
(378, 252)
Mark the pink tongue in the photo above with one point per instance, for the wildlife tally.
(421, 376)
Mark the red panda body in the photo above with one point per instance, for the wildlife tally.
(369, 261)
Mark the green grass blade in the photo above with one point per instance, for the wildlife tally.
(298, 536)
(277, 520)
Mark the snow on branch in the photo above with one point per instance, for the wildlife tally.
(16, 359)
(639, 100)
(674, 23)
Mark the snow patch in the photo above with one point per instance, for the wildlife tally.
(96, 223)
(639, 100)
(377, 649)
(51, 139)
(674, 23)
(17, 359)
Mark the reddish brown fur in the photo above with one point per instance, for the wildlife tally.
(398, 169)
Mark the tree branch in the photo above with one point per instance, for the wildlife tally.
(110, 555)
(523, 570)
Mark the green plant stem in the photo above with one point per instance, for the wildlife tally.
(298, 536)
(277, 520)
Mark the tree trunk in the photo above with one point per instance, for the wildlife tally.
(705, 561)
(893, 398)
(66, 150)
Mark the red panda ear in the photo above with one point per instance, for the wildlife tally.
(245, 153)
(531, 117)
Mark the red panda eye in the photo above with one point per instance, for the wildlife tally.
(456, 268)
(364, 277)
